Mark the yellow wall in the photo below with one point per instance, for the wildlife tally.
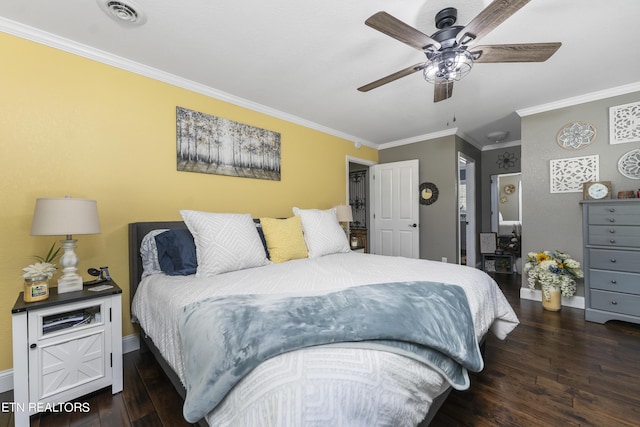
(72, 126)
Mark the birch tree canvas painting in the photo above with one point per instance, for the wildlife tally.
(210, 144)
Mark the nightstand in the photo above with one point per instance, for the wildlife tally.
(65, 347)
(497, 263)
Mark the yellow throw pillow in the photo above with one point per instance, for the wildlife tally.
(284, 238)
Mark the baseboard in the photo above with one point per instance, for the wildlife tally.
(536, 295)
(6, 380)
(129, 343)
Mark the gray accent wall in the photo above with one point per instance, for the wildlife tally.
(438, 160)
(554, 221)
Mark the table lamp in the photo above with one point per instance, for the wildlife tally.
(344, 214)
(65, 217)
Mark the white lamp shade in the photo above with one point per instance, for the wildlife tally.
(65, 216)
(344, 213)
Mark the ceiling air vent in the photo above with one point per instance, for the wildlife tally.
(124, 12)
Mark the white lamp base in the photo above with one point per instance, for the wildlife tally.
(70, 280)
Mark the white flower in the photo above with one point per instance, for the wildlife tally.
(39, 269)
(553, 270)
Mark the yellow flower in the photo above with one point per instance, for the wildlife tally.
(541, 256)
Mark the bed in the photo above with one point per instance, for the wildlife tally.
(317, 385)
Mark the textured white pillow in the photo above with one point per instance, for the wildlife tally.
(322, 232)
(149, 253)
(224, 242)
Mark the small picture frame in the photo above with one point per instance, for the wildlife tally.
(488, 243)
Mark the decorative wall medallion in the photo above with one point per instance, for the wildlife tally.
(624, 123)
(629, 164)
(506, 160)
(575, 136)
(567, 175)
(509, 188)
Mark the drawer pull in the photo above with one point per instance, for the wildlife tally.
(612, 209)
(614, 281)
(613, 260)
(614, 302)
(612, 240)
(612, 220)
(612, 230)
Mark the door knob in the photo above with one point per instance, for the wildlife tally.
(413, 225)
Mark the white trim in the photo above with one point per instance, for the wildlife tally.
(36, 35)
(502, 145)
(129, 343)
(536, 295)
(581, 99)
(419, 138)
(6, 380)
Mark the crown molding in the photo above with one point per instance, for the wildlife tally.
(576, 100)
(418, 138)
(501, 145)
(42, 37)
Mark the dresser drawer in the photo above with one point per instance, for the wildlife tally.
(608, 259)
(614, 235)
(616, 302)
(615, 281)
(614, 214)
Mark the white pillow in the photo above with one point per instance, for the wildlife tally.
(322, 232)
(149, 253)
(224, 242)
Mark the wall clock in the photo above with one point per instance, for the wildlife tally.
(596, 190)
(428, 193)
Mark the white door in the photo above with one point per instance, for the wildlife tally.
(395, 215)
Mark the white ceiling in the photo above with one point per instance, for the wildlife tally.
(303, 60)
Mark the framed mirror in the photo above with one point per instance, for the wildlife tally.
(506, 203)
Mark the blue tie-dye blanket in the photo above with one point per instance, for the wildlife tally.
(224, 338)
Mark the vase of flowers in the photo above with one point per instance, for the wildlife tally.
(37, 276)
(556, 273)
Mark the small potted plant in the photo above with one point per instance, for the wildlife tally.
(556, 272)
(37, 276)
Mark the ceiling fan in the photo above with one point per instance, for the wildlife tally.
(451, 51)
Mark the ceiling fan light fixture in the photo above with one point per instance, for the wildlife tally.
(448, 64)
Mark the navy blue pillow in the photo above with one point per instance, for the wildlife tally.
(262, 238)
(177, 252)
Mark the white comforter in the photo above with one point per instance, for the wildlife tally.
(322, 386)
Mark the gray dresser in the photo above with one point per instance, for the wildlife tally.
(612, 259)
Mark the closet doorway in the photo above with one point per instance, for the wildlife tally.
(466, 210)
(358, 197)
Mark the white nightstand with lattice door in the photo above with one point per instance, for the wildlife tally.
(65, 347)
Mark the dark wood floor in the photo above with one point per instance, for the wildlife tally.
(555, 369)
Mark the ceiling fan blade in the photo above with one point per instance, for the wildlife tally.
(490, 17)
(524, 52)
(443, 89)
(397, 29)
(392, 77)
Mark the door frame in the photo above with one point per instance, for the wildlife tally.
(359, 161)
(368, 163)
(471, 224)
